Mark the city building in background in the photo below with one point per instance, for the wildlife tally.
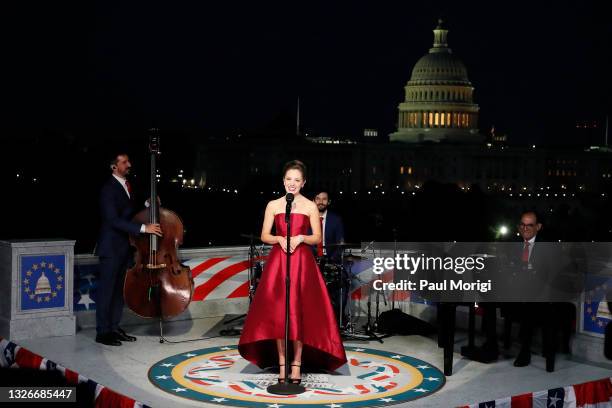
(439, 99)
(437, 140)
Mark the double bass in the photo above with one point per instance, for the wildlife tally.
(158, 285)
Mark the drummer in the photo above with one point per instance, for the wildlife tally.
(331, 226)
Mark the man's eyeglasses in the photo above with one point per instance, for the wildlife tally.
(521, 225)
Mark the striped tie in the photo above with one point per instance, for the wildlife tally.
(525, 257)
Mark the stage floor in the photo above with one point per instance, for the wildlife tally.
(124, 369)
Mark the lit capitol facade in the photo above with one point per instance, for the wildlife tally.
(439, 103)
(437, 141)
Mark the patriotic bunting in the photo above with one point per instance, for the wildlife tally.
(593, 394)
(14, 356)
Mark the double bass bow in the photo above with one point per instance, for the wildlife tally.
(158, 285)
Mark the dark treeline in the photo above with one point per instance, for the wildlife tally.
(52, 184)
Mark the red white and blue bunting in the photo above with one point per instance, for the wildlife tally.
(14, 356)
(593, 394)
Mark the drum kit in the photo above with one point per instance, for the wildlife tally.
(336, 270)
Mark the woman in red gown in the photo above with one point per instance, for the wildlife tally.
(314, 339)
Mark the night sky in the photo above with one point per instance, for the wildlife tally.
(238, 66)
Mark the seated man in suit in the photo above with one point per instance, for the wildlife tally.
(536, 257)
(535, 263)
(523, 258)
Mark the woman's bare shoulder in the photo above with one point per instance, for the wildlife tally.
(309, 207)
(275, 206)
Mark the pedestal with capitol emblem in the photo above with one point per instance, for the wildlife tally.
(36, 295)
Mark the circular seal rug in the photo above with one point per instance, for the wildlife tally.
(371, 378)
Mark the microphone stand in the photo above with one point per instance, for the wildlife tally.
(376, 316)
(394, 269)
(371, 328)
(233, 331)
(287, 388)
(369, 331)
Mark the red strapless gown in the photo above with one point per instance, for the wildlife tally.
(311, 317)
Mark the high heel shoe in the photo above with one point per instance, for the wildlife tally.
(296, 381)
(281, 377)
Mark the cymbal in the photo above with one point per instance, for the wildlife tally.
(351, 258)
(342, 245)
(251, 236)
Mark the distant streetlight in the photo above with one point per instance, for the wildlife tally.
(502, 230)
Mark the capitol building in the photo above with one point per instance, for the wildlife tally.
(439, 99)
(437, 140)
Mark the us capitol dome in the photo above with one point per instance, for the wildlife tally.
(439, 104)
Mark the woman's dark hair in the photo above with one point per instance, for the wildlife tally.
(295, 165)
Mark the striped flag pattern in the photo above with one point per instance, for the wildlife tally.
(227, 278)
(220, 277)
(15, 356)
(593, 394)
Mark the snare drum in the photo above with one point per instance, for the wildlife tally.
(321, 261)
(335, 280)
(331, 273)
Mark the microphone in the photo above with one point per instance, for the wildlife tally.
(363, 251)
(289, 199)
